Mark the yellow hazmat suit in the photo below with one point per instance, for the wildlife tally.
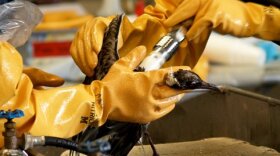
(64, 112)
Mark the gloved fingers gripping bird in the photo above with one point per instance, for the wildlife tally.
(123, 135)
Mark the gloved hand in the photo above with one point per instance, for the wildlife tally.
(134, 96)
(225, 16)
(145, 30)
(122, 95)
(41, 78)
(230, 16)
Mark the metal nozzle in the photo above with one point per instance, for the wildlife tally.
(178, 34)
(163, 50)
(32, 141)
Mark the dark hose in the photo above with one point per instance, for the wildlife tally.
(59, 142)
(85, 148)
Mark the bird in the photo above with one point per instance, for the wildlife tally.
(124, 135)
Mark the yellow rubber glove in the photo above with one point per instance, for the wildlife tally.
(145, 30)
(122, 95)
(135, 96)
(41, 78)
(56, 112)
(225, 16)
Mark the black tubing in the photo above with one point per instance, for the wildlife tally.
(59, 142)
(64, 143)
(71, 145)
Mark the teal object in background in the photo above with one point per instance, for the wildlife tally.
(271, 49)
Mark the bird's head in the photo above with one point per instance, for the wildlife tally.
(186, 79)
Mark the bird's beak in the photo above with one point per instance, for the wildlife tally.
(205, 85)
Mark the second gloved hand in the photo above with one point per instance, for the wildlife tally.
(134, 96)
(225, 16)
(41, 78)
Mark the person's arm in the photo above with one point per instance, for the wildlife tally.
(122, 95)
(10, 71)
(56, 112)
(225, 16)
(145, 30)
